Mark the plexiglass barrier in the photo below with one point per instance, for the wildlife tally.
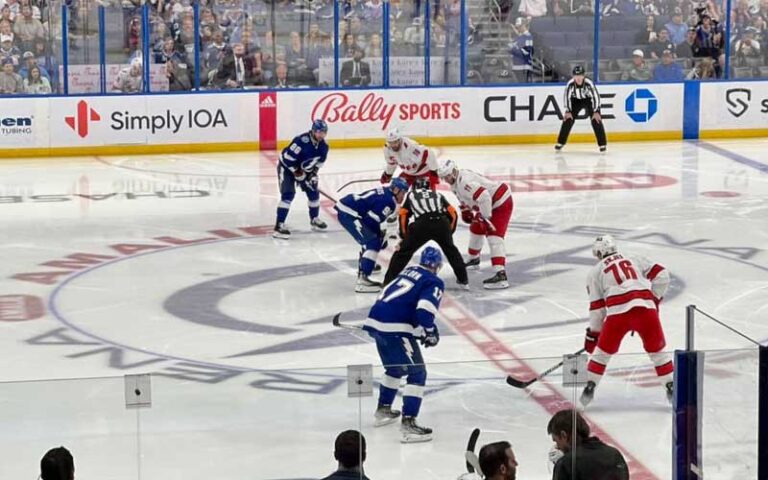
(229, 424)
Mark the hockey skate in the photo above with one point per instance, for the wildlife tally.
(366, 285)
(414, 433)
(558, 146)
(385, 415)
(602, 148)
(473, 263)
(317, 224)
(281, 232)
(497, 281)
(463, 286)
(669, 388)
(588, 394)
(376, 268)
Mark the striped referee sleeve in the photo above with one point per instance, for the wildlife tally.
(568, 93)
(593, 93)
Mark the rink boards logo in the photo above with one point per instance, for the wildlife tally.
(157, 123)
(641, 105)
(12, 125)
(536, 108)
(739, 101)
(337, 107)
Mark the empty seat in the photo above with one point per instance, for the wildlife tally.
(543, 24)
(568, 24)
(610, 76)
(611, 52)
(553, 39)
(564, 53)
(580, 39)
(742, 72)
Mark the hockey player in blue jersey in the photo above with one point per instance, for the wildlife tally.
(299, 163)
(361, 215)
(404, 312)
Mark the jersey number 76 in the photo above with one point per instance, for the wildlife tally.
(627, 271)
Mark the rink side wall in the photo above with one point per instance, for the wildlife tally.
(250, 120)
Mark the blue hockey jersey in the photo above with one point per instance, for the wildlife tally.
(407, 305)
(372, 206)
(304, 155)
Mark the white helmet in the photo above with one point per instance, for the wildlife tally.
(394, 135)
(604, 245)
(446, 168)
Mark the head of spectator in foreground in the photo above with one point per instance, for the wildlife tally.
(497, 461)
(637, 57)
(667, 58)
(349, 450)
(567, 428)
(57, 464)
(578, 74)
(8, 66)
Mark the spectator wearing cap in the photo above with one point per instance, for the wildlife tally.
(747, 50)
(29, 61)
(8, 50)
(349, 450)
(355, 72)
(662, 42)
(414, 35)
(638, 71)
(130, 79)
(667, 70)
(689, 48)
(677, 28)
(10, 81)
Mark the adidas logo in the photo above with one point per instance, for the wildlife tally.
(267, 102)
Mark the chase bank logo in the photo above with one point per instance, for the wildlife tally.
(641, 105)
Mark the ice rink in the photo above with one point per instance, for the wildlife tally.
(165, 264)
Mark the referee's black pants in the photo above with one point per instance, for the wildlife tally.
(577, 105)
(429, 227)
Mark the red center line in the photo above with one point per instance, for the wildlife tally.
(464, 322)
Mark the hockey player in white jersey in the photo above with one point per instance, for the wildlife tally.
(487, 206)
(624, 294)
(415, 160)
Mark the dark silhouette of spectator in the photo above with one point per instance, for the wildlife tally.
(584, 457)
(349, 451)
(497, 461)
(689, 48)
(236, 69)
(355, 72)
(662, 43)
(57, 464)
(667, 70)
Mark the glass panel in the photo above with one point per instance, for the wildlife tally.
(749, 39)
(361, 49)
(406, 43)
(32, 43)
(287, 66)
(445, 51)
(559, 42)
(172, 48)
(124, 47)
(88, 417)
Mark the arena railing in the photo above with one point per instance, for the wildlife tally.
(197, 421)
(405, 44)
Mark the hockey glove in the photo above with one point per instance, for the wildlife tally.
(431, 338)
(310, 183)
(590, 340)
(466, 214)
(385, 178)
(299, 175)
(487, 226)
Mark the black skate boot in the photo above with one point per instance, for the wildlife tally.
(588, 394)
(558, 146)
(473, 263)
(413, 433)
(317, 224)
(385, 415)
(497, 281)
(669, 388)
(281, 232)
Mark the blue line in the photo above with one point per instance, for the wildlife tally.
(691, 107)
(736, 157)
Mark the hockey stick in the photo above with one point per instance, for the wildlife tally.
(336, 323)
(352, 182)
(517, 383)
(472, 463)
(326, 195)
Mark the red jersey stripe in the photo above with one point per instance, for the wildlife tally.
(597, 304)
(654, 271)
(477, 193)
(628, 297)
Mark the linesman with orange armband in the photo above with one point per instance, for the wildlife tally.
(426, 215)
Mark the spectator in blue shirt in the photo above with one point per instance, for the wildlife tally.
(667, 70)
(677, 28)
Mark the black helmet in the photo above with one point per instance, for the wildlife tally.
(578, 70)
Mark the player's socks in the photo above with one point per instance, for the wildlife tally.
(411, 432)
(497, 281)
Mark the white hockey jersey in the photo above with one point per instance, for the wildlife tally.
(478, 192)
(619, 283)
(413, 158)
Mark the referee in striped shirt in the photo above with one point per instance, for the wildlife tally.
(426, 215)
(580, 93)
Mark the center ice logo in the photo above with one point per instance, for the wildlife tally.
(635, 102)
